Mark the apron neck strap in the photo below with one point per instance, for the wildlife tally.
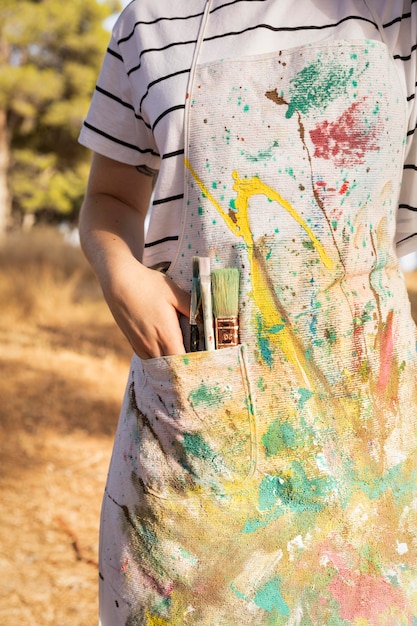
(194, 62)
(375, 15)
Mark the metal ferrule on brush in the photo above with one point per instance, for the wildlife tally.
(227, 331)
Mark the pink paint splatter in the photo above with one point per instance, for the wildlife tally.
(347, 140)
(360, 595)
(386, 353)
(366, 597)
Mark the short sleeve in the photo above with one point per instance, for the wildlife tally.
(113, 126)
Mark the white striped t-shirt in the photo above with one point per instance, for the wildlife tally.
(137, 111)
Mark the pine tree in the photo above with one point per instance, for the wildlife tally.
(50, 55)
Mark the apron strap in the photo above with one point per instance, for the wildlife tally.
(194, 61)
(375, 15)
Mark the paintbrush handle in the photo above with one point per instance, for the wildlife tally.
(194, 338)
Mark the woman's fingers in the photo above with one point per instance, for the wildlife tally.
(147, 310)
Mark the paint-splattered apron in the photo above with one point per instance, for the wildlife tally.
(275, 482)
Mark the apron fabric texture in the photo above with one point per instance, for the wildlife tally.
(274, 483)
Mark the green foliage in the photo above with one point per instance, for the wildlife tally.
(50, 55)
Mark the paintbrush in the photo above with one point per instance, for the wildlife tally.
(194, 306)
(205, 286)
(225, 295)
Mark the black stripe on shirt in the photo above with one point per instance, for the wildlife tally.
(178, 18)
(407, 57)
(115, 54)
(282, 29)
(165, 200)
(177, 107)
(115, 98)
(120, 142)
(159, 19)
(410, 166)
(167, 47)
(170, 155)
(404, 16)
(160, 80)
(274, 29)
(150, 244)
(412, 131)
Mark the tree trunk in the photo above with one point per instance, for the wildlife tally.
(5, 197)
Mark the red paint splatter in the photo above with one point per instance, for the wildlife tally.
(347, 140)
(343, 189)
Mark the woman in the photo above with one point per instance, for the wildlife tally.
(272, 482)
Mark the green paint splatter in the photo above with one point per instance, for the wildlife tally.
(204, 394)
(308, 245)
(237, 593)
(269, 598)
(263, 342)
(279, 437)
(316, 86)
(195, 445)
(305, 395)
(274, 330)
(268, 492)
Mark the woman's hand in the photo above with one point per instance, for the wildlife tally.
(146, 306)
(145, 303)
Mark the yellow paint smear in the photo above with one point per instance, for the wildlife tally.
(263, 292)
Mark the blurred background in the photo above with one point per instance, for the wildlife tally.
(63, 362)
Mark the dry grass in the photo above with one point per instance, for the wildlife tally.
(63, 366)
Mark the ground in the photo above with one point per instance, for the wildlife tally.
(63, 368)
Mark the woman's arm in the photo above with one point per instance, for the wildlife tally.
(144, 302)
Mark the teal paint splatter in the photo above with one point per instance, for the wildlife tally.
(274, 330)
(268, 492)
(279, 437)
(254, 524)
(204, 394)
(263, 342)
(263, 155)
(299, 493)
(316, 86)
(269, 598)
(195, 445)
(305, 395)
(237, 593)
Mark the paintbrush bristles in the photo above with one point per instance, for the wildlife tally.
(225, 292)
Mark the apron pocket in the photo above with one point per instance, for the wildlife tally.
(196, 423)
